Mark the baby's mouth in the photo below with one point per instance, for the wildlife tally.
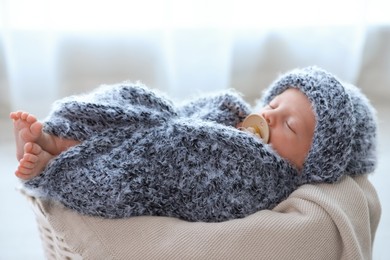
(257, 125)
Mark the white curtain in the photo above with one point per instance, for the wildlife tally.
(53, 48)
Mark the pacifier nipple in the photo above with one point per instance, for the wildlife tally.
(257, 125)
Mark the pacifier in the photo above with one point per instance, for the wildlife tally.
(257, 125)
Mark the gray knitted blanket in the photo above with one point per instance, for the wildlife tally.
(142, 155)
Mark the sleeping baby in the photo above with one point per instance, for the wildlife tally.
(126, 150)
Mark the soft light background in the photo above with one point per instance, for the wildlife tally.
(53, 48)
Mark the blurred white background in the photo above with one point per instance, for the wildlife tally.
(53, 48)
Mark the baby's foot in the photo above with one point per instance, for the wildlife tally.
(33, 161)
(26, 129)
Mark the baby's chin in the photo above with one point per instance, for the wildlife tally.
(294, 164)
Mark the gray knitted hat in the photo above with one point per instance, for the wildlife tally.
(363, 158)
(345, 133)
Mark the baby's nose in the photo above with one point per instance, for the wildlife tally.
(269, 117)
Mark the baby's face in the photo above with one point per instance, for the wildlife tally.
(291, 122)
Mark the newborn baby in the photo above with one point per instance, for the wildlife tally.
(127, 151)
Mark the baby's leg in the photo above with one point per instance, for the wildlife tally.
(26, 129)
(33, 161)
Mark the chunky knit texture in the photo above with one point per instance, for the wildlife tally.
(143, 155)
(363, 158)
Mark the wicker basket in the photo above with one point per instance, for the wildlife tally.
(55, 247)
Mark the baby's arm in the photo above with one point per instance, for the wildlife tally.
(226, 108)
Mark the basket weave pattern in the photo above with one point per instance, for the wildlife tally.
(55, 247)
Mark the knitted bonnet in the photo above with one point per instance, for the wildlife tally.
(363, 158)
(345, 132)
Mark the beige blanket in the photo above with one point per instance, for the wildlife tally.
(323, 221)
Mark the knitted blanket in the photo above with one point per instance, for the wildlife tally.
(141, 154)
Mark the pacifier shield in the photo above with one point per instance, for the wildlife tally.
(258, 124)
